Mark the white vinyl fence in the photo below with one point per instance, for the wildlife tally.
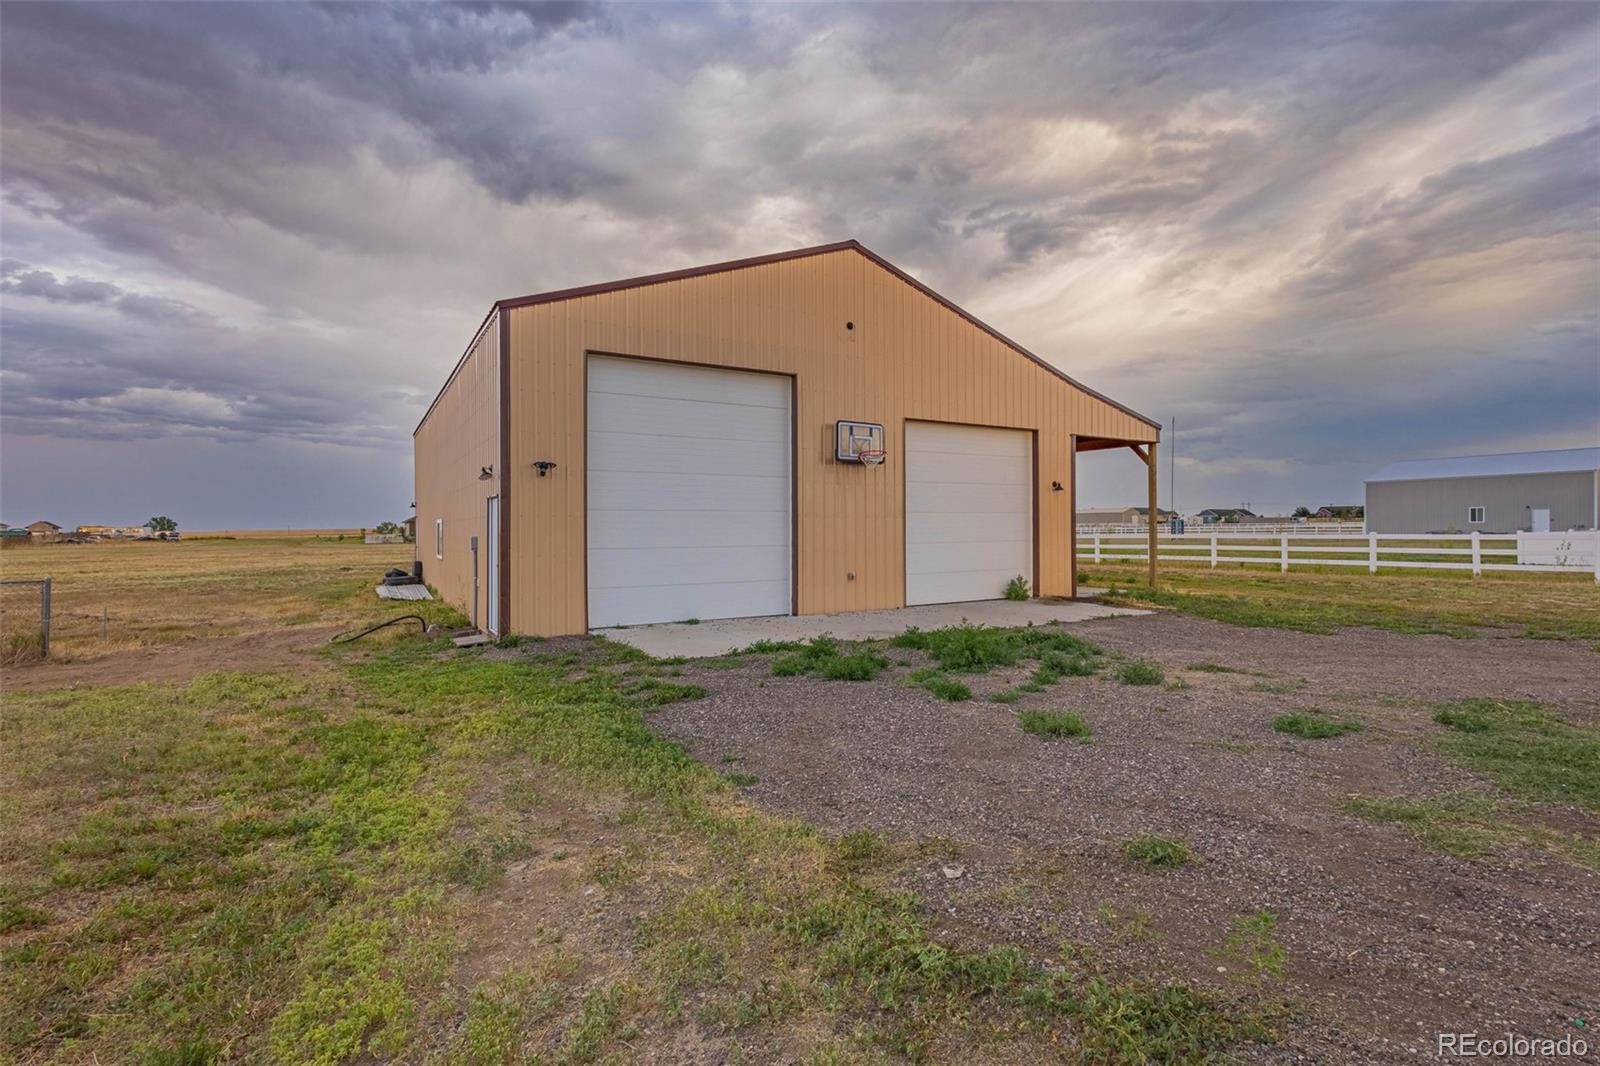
(1544, 553)
(1256, 528)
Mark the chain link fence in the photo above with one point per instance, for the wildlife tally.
(24, 621)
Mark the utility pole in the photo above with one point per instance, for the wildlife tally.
(1172, 468)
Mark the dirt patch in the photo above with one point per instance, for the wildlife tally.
(1387, 942)
(260, 652)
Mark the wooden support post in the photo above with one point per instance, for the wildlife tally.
(1477, 554)
(1372, 553)
(1150, 463)
(1283, 553)
(1097, 547)
(1213, 551)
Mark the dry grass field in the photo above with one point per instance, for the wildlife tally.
(1209, 834)
(114, 595)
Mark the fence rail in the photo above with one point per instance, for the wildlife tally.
(1247, 528)
(1542, 553)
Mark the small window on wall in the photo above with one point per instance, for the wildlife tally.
(438, 538)
(1474, 515)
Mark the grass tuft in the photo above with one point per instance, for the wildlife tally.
(1313, 725)
(1054, 725)
(1157, 851)
(1141, 672)
(946, 688)
(1252, 938)
(822, 657)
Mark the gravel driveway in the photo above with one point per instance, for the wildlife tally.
(1388, 942)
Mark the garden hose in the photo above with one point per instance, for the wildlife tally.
(422, 622)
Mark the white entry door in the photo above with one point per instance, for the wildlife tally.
(969, 511)
(1541, 519)
(689, 492)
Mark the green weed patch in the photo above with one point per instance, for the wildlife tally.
(1054, 725)
(1313, 725)
(1525, 749)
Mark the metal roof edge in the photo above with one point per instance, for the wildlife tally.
(851, 244)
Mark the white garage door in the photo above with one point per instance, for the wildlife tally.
(969, 511)
(688, 493)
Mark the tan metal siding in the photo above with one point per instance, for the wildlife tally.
(908, 357)
(460, 436)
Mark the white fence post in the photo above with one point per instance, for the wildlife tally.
(1597, 556)
(1214, 552)
(1477, 554)
(1372, 553)
(1097, 547)
(1283, 553)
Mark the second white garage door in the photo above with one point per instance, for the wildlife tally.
(969, 511)
(688, 496)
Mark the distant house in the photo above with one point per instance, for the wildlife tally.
(1213, 515)
(43, 528)
(1538, 492)
(1124, 516)
(1341, 512)
(410, 527)
(13, 534)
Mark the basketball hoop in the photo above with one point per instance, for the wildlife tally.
(871, 457)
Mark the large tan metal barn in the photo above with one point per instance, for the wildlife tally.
(806, 432)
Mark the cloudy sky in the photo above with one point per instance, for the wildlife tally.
(243, 244)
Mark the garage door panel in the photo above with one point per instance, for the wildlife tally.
(970, 529)
(933, 498)
(933, 559)
(687, 529)
(967, 586)
(628, 567)
(689, 493)
(969, 511)
(946, 469)
(653, 453)
(676, 603)
(684, 381)
(616, 490)
(936, 439)
(730, 423)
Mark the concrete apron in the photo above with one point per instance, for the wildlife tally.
(722, 635)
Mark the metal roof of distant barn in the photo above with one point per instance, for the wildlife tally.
(1561, 461)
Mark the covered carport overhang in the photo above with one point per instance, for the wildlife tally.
(1146, 451)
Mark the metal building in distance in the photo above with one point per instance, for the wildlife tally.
(1538, 492)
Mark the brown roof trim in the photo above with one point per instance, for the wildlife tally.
(676, 275)
(800, 253)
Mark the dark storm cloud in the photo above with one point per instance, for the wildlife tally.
(264, 223)
(16, 277)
